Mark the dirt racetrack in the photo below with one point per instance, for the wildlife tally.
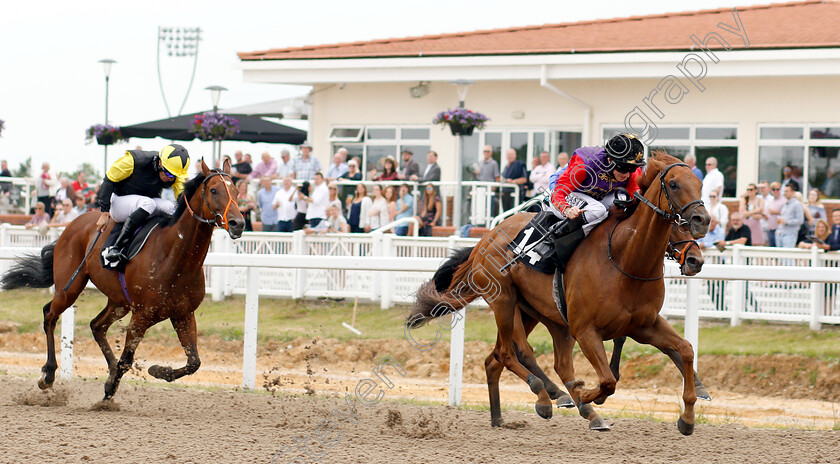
(155, 424)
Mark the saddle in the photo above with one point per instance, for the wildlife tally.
(540, 257)
(137, 242)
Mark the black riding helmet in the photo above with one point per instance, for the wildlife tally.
(626, 152)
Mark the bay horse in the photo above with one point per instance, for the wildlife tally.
(614, 287)
(164, 281)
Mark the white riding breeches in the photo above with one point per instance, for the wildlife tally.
(594, 211)
(123, 206)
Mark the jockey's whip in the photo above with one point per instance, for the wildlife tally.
(352, 323)
(73, 277)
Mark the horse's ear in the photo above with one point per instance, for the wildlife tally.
(226, 166)
(204, 169)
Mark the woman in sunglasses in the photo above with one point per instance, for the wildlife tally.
(130, 192)
(586, 189)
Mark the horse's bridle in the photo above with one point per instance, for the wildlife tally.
(218, 219)
(679, 254)
(675, 218)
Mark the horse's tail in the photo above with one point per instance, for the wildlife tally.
(31, 270)
(435, 298)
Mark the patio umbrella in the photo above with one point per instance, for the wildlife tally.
(251, 129)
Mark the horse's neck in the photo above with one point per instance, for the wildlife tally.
(188, 242)
(638, 245)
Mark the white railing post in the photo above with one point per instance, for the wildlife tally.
(738, 290)
(252, 311)
(817, 292)
(68, 322)
(386, 279)
(456, 357)
(376, 249)
(692, 316)
(299, 248)
(217, 275)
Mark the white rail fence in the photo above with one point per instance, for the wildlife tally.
(760, 283)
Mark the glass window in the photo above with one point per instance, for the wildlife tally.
(348, 134)
(672, 133)
(415, 133)
(727, 158)
(781, 133)
(375, 153)
(472, 153)
(539, 144)
(825, 133)
(823, 165)
(494, 139)
(379, 134)
(519, 142)
(678, 151)
(717, 133)
(568, 142)
(610, 133)
(772, 161)
(419, 154)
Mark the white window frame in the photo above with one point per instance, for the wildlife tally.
(356, 139)
(398, 141)
(692, 141)
(550, 140)
(806, 142)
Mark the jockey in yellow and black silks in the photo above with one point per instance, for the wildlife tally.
(130, 192)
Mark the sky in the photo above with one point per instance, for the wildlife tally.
(52, 86)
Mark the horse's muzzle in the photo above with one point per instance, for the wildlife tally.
(692, 266)
(235, 228)
(698, 223)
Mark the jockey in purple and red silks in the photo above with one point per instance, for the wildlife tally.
(585, 190)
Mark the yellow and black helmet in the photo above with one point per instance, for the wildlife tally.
(175, 159)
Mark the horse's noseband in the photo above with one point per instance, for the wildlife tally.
(218, 219)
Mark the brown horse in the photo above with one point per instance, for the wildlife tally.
(164, 281)
(681, 247)
(614, 286)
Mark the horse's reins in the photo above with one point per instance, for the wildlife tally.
(676, 218)
(218, 219)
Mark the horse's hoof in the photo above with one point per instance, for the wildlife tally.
(565, 401)
(42, 382)
(496, 423)
(599, 401)
(543, 410)
(599, 425)
(161, 372)
(684, 427)
(703, 394)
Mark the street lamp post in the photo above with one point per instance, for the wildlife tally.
(461, 86)
(215, 96)
(106, 65)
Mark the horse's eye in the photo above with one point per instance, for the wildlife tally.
(672, 184)
(213, 191)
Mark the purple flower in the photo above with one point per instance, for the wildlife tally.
(214, 126)
(99, 130)
(461, 117)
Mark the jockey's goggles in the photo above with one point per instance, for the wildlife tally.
(167, 173)
(625, 168)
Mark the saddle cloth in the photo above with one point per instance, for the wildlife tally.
(140, 238)
(540, 258)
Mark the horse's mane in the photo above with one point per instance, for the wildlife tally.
(190, 188)
(649, 174)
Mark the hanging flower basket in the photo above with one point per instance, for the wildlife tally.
(104, 134)
(214, 126)
(461, 121)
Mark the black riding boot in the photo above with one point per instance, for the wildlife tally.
(569, 236)
(119, 252)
